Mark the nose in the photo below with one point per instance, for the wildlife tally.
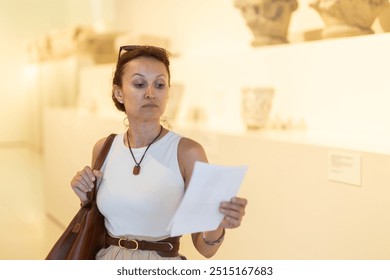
(149, 92)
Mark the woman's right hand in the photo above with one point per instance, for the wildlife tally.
(83, 182)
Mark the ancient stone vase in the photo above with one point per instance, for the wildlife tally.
(345, 18)
(267, 19)
(256, 105)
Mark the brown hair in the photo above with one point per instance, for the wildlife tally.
(134, 52)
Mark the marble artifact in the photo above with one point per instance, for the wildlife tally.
(345, 18)
(267, 19)
(384, 19)
(256, 106)
(81, 40)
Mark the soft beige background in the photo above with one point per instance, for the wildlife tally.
(338, 88)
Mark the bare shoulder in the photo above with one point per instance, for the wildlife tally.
(188, 146)
(189, 151)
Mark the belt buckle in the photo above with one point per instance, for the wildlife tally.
(124, 239)
(170, 245)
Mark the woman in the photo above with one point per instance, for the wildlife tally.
(148, 168)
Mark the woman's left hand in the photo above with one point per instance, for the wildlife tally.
(234, 211)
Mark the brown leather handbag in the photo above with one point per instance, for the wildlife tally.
(85, 234)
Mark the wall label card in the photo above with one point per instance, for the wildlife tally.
(344, 167)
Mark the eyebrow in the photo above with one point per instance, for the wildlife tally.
(139, 74)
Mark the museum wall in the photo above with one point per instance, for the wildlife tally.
(213, 60)
(328, 94)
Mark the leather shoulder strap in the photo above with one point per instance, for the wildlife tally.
(104, 152)
(99, 163)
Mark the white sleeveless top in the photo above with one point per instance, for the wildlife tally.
(141, 206)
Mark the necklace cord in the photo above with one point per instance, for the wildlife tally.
(128, 143)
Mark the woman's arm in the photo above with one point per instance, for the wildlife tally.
(189, 152)
(208, 243)
(83, 181)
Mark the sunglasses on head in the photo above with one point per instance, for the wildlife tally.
(129, 48)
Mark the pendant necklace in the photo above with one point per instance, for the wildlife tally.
(137, 166)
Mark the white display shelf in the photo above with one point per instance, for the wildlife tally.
(363, 142)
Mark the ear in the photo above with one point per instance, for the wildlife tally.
(118, 94)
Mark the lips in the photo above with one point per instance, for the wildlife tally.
(150, 105)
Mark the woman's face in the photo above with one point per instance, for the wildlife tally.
(144, 90)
